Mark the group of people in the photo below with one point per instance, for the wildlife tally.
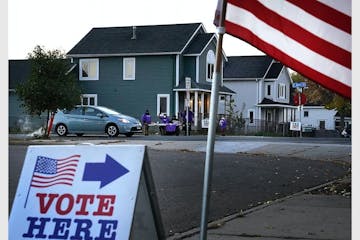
(146, 120)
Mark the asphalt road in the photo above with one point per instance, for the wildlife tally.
(240, 181)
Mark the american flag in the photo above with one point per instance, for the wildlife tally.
(313, 37)
(50, 171)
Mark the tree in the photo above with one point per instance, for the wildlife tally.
(316, 94)
(235, 116)
(51, 84)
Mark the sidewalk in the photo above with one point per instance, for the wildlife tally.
(303, 216)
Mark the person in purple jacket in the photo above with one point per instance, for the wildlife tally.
(146, 120)
(222, 125)
(191, 117)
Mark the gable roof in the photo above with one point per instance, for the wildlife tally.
(246, 67)
(141, 40)
(198, 44)
(274, 70)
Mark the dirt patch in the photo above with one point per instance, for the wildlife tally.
(340, 187)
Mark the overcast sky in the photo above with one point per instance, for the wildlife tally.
(61, 24)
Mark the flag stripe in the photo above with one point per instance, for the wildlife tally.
(325, 13)
(310, 23)
(65, 167)
(301, 44)
(62, 174)
(73, 156)
(284, 44)
(68, 162)
(343, 6)
(292, 30)
(49, 185)
(309, 72)
(53, 181)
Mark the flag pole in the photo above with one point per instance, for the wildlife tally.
(214, 100)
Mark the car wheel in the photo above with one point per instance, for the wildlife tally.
(129, 134)
(61, 130)
(112, 130)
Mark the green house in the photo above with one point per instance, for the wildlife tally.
(134, 68)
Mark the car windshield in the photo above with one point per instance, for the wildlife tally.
(107, 110)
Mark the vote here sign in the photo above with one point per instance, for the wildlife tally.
(77, 192)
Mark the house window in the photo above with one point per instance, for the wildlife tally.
(251, 116)
(269, 117)
(306, 113)
(89, 69)
(268, 90)
(210, 65)
(129, 69)
(89, 99)
(282, 91)
(163, 104)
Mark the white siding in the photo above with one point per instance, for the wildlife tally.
(246, 95)
(316, 115)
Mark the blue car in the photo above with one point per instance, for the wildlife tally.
(94, 119)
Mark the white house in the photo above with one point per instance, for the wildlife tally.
(263, 91)
(318, 117)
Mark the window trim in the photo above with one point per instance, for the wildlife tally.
(268, 86)
(89, 96)
(126, 76)
(253, 118)
(96, 77)
(210, 65)
(282, 89)
(159, 96)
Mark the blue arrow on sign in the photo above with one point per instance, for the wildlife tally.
(105, 172)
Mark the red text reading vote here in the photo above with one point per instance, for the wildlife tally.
(66, 203)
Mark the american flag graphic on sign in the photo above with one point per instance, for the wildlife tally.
(49, 171)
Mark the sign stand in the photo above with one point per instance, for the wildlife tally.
(147, 223)
(86, 192)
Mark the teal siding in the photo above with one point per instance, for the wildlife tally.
(190, 68)
(19, 119)
(154, 75)
(202, 62)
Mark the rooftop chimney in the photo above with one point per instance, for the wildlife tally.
(134, 33)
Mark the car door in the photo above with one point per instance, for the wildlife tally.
(74, 120)
(94, 120)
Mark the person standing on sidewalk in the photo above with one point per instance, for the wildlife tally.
(184, 120)
(146, 120)
(222, 125)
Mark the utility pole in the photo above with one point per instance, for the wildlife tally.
(214, 100)
(299, 94)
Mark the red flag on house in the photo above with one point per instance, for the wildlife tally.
(311, 37)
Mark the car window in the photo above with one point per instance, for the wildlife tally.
(74, 111)
(91, 111)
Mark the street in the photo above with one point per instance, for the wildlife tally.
(240, 181)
